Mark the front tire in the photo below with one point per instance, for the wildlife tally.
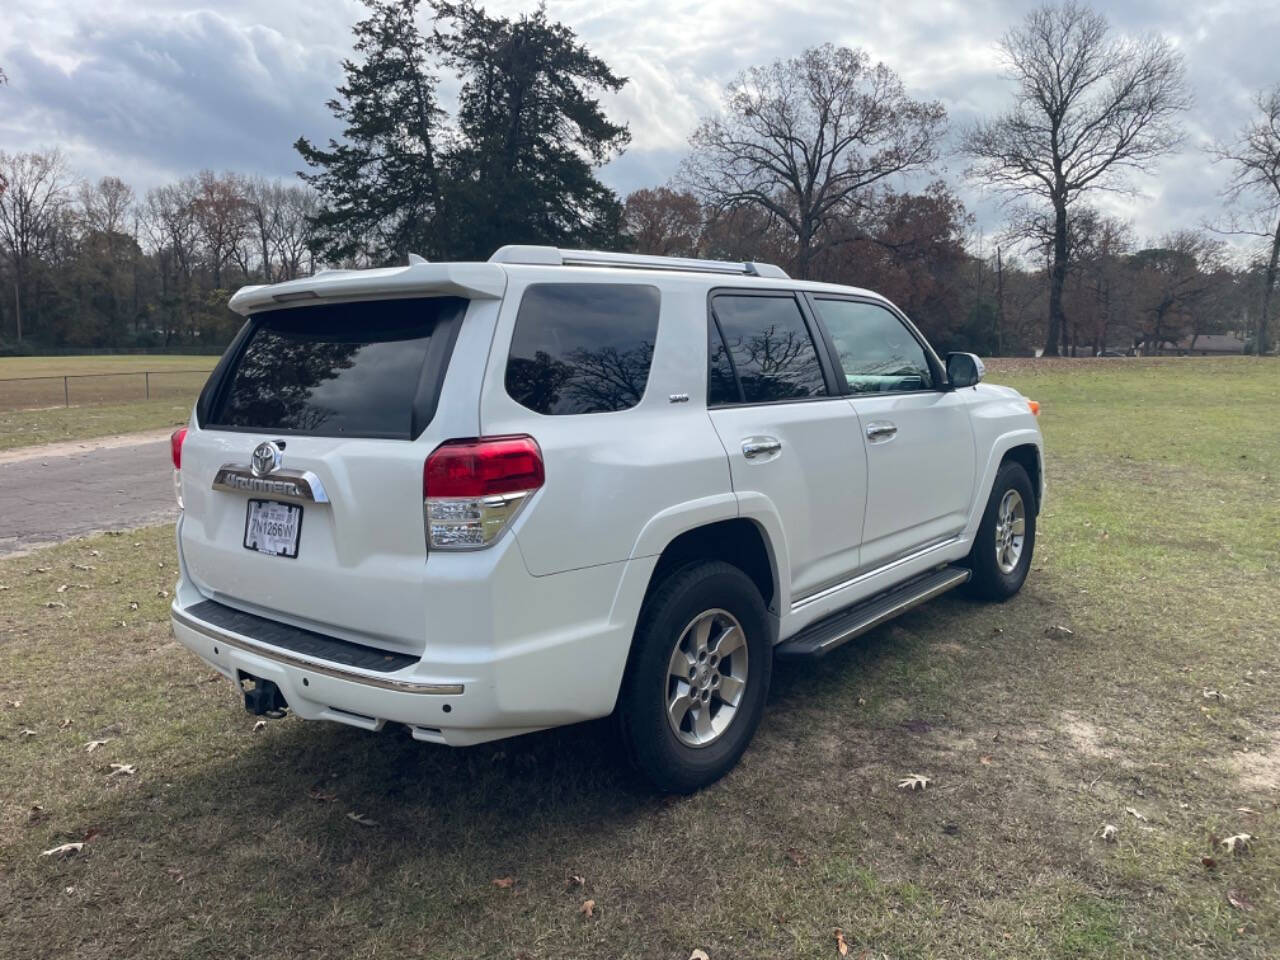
(1001, 554)
(700, 667)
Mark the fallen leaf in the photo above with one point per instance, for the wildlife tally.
(92, 834)
(174, 872)
(1209, 862)
(588, 908)
(64, 850)
(699, 955)
(504, 883)
(42, 569)
(81, 566)
(841, 947)
(1213, 695)
(913, 782)
(133, 604)
(122, 770)
(1248, 810)
(26, 732)
(54, 604)
(361, 819)
(576, 881)
(795, 856)
(1238, 900)
(64, 723)
(1240, 840)
(1134, 813)
(260, 725)
(1109, 832)
(63, 588)
(162, 593)
(93, 745)
(1057, 630)
(13, 704)
(36, 813)
(985, 760)
(321, 797)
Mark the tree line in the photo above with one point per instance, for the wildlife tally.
(823, 162)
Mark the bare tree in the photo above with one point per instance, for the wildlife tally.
(806, 139)
(1255, 159)
(39, 188)
(663, 221)
(1088, 107)
(1172, 281)
(221, 213)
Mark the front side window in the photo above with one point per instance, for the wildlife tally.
(875, 350)
(765, 342)
(582, 347)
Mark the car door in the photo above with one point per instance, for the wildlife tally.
(793, 441)
(916, 431)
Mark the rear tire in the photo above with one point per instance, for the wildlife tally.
(699, 673)
(1001, 554)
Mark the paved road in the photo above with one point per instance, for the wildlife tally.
(44, 499)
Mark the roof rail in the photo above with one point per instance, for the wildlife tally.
(554, 256)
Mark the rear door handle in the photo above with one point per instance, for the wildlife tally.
(881, 430)
(761, 449)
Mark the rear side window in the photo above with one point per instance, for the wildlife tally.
(764, 344)
(369, 369)
(582, 347)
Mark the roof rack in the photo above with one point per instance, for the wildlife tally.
(554, 256)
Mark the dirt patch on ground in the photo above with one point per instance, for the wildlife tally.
(1085, 737)
(65, 448)
(1258, 769)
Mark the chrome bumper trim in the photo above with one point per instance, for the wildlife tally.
(292, 484)
(315, 666)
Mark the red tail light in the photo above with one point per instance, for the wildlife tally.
(473, 489)
(487, 467)
(175, 446)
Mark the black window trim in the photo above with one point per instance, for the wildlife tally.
(816, 337)
(940, 382)
(426, 396)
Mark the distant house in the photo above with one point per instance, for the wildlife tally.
(1209, 345)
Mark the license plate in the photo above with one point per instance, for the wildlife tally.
(271, 527)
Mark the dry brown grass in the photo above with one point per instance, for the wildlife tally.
(1158, 552)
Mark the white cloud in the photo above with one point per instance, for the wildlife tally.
(152, 89)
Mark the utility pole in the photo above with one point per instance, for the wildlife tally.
(999, 304)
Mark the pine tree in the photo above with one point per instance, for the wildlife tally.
(380, 190)
(532, 134)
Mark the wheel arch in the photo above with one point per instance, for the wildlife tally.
(739, 542)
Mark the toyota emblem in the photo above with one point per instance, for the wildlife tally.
(266, 457)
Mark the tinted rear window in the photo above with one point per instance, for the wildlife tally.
(582, 347)
(768, 344)
(370, 369)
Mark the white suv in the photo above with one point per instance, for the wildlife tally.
(481, 499)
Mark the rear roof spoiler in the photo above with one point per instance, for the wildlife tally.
(475, 281)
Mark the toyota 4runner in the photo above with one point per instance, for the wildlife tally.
(481, 499)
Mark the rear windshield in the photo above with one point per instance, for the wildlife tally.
(369, 369)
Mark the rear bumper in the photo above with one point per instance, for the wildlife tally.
(490, 669)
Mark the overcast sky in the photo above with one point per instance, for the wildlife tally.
(152, 89)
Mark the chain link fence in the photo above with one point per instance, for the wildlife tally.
(83, 389)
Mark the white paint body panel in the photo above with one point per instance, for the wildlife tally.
(537, 627)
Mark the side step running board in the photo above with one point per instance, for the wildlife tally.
(824, 636)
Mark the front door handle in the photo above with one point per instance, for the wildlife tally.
(760, 449)
(881, 430)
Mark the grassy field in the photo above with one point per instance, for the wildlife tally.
(1158, 713)
(112, 400)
